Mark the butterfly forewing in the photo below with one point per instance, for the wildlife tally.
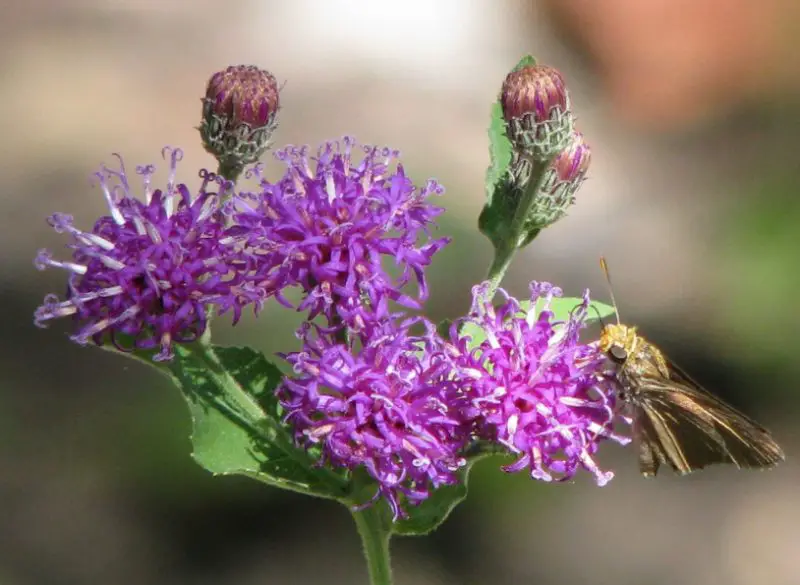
(681, 424)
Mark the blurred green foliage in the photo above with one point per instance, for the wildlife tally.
(759, 249)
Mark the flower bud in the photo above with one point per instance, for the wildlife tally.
(536, 107)
(239, 115)
(571, 164)
(562, 179)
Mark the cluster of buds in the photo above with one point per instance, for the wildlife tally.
(239, 116)
(541, 128)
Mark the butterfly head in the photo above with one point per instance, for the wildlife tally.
(618, 342)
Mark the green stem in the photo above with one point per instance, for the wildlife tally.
(500, 263)
(230, 171)
(375, 532)
(505, 253)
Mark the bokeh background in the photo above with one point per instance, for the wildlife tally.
(693, 111)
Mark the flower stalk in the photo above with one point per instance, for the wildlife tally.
(519, 232)
(374, 529)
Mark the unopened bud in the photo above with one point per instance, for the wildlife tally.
(239, 115)
(562, 179)
(571, 164)
(536, 107)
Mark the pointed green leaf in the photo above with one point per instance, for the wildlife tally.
(427, 516)
(443, 328)
(503, 196)
(561, 308)
(497, 214)
(432, 512)
(499, 152)
(500, 149)
(231, 437)
(526, 61)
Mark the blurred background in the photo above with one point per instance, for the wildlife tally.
(693, 111)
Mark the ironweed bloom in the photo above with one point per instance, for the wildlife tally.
(145, 276)
(384, 407)
(535, 388)
(331, 224)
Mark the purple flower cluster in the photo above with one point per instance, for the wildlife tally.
(144, 276)
(406, 408)
(332, 223)
(148, 274)
(386, 407)
(534, 387)
(373, 388)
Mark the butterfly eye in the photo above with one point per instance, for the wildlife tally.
(617, 354)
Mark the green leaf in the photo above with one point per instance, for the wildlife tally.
(255, 373)
(432, 512)
(497, 214)
(502, 197)
(500, 149)
(233, 436)
(443, 328)
(499, 152)
(561, 308)
(526, 61)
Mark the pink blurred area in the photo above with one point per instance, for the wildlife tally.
(676, 62)
(655, 84)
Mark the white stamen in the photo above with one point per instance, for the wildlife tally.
(330, 187)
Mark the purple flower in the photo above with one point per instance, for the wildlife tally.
(146, 274)
(329, 225)
(535, 388)
(384, 408)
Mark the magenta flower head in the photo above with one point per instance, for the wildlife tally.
(330, 225)
(535, 388)
(146, 274)
(384, 408)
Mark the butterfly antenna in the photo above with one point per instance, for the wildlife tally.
(599, 316)
(604, 266)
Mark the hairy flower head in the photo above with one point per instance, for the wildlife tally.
(331, 224)
(535, 388)
(147, 273)
(384, 407)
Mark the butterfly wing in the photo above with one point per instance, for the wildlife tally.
(680, 423)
